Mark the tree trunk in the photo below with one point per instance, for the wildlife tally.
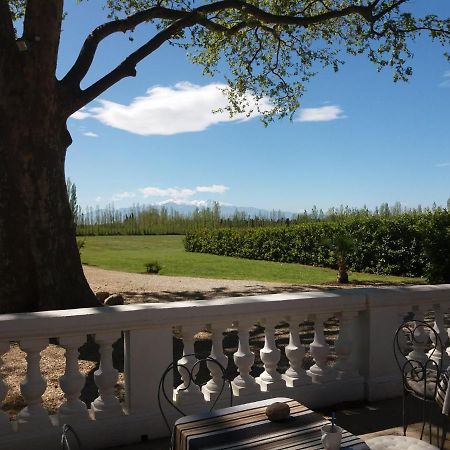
(40, 267)
(342, 275)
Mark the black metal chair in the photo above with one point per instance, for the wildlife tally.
(190, 375)
(421, 372)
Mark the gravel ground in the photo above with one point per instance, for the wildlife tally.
(159, 288)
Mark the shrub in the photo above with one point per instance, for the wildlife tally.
(408, 245)
(153, 267)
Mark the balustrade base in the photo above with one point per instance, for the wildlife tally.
(211, 396)
(295, 382)
(248, 389)
(318, 395)
(33, 420)
(270, 386)
(321, 376)
(188, 397)
(102, 410)
(384, 387)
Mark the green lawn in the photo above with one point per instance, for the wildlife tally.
(131, 253)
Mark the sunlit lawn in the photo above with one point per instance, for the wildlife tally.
(132, 253)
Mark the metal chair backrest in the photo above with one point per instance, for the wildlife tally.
(190, 372)
(420, 371)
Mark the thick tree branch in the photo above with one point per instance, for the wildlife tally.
(87, 53)
(7, 36)
(41, 30)
(181, 19)
(128, 67)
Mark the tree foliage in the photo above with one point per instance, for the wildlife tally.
(271, 47)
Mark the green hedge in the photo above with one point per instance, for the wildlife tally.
(406, 245)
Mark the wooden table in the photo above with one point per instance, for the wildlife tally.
(247, 427)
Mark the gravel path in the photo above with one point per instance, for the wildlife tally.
(156, 288)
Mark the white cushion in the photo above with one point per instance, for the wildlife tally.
(398, 443)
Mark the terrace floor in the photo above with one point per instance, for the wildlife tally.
(363, 419)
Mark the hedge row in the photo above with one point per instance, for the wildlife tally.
(406, 245)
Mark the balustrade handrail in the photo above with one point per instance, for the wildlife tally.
(59, 323)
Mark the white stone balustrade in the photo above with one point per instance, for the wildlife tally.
(295, 375)
(72, 382)
(216, 385)
(270, 379)
(34, 415)
(188, 391)
(244, 383)
(344, 347)
(363, 367)
(320, 372)
(106, 404)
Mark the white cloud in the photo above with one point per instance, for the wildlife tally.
(175, 193)
(81, 114)
(446, 82)
(90, 134)
(321, 114)
(214, 188)
(98, 199)
(184, 107)
(445, 164)
(122, 195)
(170, 192)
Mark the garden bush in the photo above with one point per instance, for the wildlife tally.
(407, 245)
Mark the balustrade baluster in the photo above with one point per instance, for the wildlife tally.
(344, 347)
(188, 392)
(5, 426)
(420, 339)
(401, 338)
(320, 372)
(270, 379)
(214, 386)
(34, 415)
(106, 404)
(438, 326)
(72, 382)
(244, 359)
(295, 375)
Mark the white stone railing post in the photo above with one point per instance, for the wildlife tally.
(5, 426)
(72, 382)
(106, 404)
(188, 392)
(148, 353)
(420, 339)
(244, 359)
(270, 379)
(320, 372)
(212, 389)
(438, 326)
(34, 415)
(344, 347)
(295, 375)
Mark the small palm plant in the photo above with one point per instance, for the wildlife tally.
(341, 244)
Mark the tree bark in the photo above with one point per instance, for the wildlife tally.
(40, 267)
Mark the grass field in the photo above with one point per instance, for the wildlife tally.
(131, 253)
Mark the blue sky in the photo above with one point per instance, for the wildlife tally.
(359, 138)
